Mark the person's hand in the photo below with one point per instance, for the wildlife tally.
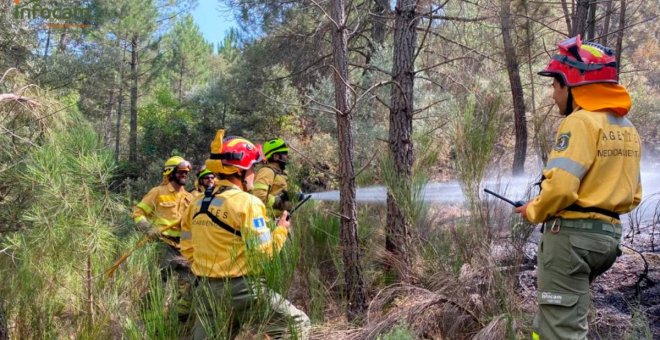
(284, 220)
(143, 226)
(282, 202)
(522, 210)
(181, 261)
(153, 233)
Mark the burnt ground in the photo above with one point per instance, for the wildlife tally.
(626, 299)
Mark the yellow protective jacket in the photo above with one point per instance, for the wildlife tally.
(595, 162)
(199, 189)
(218, 253)
(196, 193)
(269, 182)
(163, 206)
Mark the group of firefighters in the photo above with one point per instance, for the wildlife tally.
(218, 238)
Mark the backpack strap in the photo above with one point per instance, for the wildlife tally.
(206, 202)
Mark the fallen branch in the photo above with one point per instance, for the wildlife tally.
(643, 276)
(14, 97)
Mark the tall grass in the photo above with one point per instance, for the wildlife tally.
(68, 237)
(52, 266)
(476, 127)
(408, 195)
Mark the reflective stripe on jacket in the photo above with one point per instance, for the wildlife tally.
(595, 162)
(269, 177)
(163, 206)
(215, 252)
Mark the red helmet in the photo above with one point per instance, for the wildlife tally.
(581, 64)
(237, 153)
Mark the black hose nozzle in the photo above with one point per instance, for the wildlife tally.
(515, 204)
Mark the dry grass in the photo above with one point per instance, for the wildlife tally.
(429, 314)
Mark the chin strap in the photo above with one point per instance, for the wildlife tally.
(243, 183)
(569, 103)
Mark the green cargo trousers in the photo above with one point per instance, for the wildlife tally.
(222, 306)
(569, 258)
(173, 264)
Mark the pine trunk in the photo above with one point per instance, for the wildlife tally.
(398, 229)
(591, 21)
(606, 24)
(107, 127)
(379, 28)
(355, 290)
(619, 37)
(120, 104)
(513, 70)
(4, 331)
(132, 138)
(580, 18)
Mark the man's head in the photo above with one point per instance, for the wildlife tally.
(234, 159)
(176, 170)
(205, 178)
(276, 150)
(579, 64)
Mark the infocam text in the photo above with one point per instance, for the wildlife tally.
(35, 9)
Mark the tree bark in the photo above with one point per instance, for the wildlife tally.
(606, 24)
(47, 47)
(580, 18)
(619, 36)
(4, 331)
(379, 28)
(107, 128)
(398, 229)
(513, 70)
(132, 138)
(181, 71)
(62, 43)
(529, 32)
(120, 103)
(591, 21)
(355, 291)
(567, 16)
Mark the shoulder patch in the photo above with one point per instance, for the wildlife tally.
(258, 222)
(562, 142)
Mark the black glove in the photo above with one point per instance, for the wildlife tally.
(282, 202)
(300, 196)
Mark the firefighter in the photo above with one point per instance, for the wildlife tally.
(592, 176)
(205, 180)
(270, 184)
(159, 215)
(226, 238)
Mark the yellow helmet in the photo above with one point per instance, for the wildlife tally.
(175, 162)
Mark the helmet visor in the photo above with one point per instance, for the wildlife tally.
(185, 165)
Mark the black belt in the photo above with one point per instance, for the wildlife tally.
(221, 279)
(609, 213)
(174, 239)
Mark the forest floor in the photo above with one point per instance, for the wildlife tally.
(623, 298)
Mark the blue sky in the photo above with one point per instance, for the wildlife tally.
(214, 18)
